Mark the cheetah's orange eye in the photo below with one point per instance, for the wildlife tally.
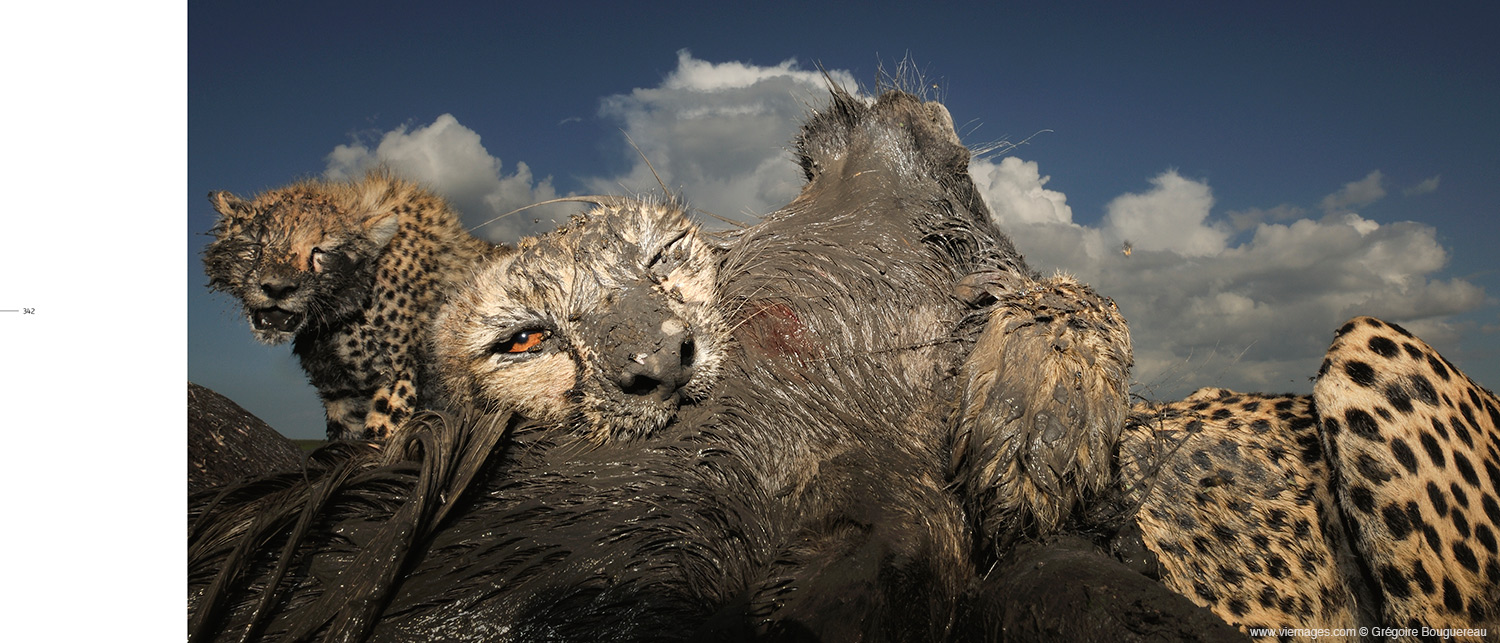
(526, 341)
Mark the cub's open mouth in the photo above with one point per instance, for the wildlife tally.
(275, 319)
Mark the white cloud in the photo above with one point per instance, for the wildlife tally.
(449, 158)
(1242, 220)
(1356, 194)
(1424, 187)
(1257, 314)
(718, 133)
(1172, 216)
(1014, 191)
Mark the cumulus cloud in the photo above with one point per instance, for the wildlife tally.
(1356, 194)
(449, 158)
(1172, 215)
(718, 133)
(1424, 187)
(1016, 194)
(1255, 314)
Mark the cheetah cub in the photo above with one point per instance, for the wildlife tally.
(352, 274)
(606, 325)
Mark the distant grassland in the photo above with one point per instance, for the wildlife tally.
(309, 445)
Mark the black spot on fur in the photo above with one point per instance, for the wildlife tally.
(1394, 582)
(1363, 499)
(1434, 451)
(1312, 448)
(1331, 427)
(1384, 347)
(1398, 398)
(1302, 528)
(1439, 501)
(1362, 424)
(1276, 566)
(1360, 373)
(1371, 469)
(1460, 524)
(1423, 389)
(1399, 329)
(1485, 536)
(1202, 544)
(1412, 350)
(1404, 454)
(1442, 429)
(1275, 519)
(1461, 499)
(1230, 576)
(1238, 607)
(1438, 368)
(1220, 414)
(1434, 541)
(1396, 521)
(1465, 469)
(1465, 557)
(1452, 600)
(1491, 510)
(1260, 426)
(1423, 579)
(1268, 597)
(1302, 423)
(1205, 593)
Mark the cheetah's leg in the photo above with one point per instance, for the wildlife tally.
(1044, 401)
(1416, 449)
(390, 406)
(346, 416)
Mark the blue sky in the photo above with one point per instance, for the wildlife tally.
(1276, 167)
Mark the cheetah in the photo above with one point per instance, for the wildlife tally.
(1416, 447)
(606, 325)
(1363, 504)
(351, 273)
(1236, 509)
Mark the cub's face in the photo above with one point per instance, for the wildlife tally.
(606, 325)
(294, 258)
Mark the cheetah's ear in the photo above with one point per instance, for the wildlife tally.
(381, 230)
(228, 205)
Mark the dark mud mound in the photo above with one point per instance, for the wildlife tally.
(1066, 590)
(227, 443)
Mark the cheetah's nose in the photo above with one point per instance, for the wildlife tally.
(277, 289)
(663, 368)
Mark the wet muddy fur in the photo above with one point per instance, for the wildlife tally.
(806, 499)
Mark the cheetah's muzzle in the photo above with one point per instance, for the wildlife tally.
(275, 319)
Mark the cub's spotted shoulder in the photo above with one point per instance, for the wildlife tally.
(351, 273)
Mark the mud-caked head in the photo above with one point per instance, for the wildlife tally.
(296, 257)
(607, 324)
